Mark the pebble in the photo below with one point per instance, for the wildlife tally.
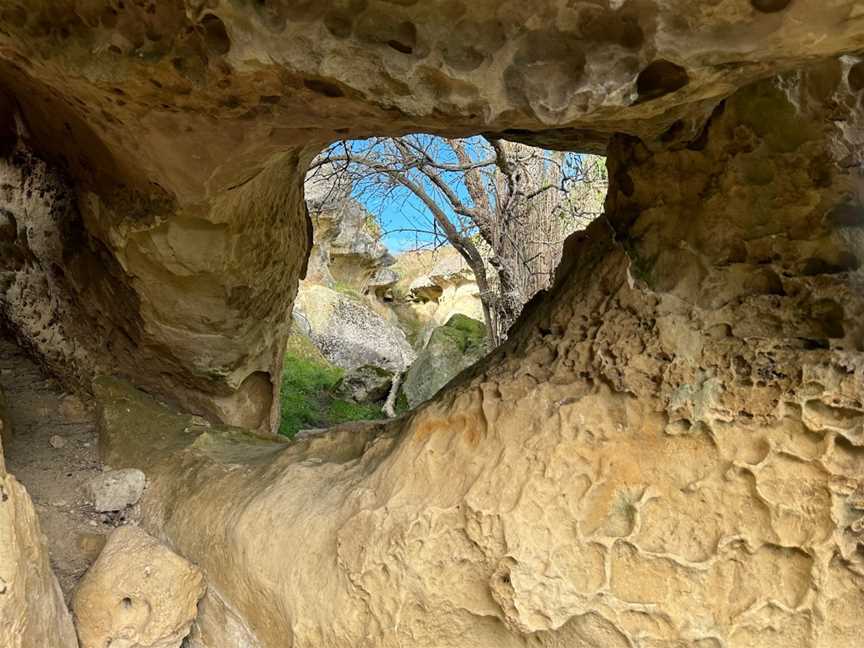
(57, 441)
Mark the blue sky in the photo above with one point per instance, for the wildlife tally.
(405, 221)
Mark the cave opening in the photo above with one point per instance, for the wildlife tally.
(425, 250)
(666, 449)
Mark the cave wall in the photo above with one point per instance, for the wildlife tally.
(182, 129)
(668, 451)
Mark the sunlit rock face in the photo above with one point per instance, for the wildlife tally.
(667, 451)
(184, 129)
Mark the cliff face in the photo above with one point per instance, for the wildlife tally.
(346, 246)
(668, 449)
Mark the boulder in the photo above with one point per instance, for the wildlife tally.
(32, 611)
(349, 333)
(366, 384)
(346, 246)
(451, 348)
(114, 490)
(138, 594)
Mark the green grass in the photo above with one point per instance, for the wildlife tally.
(308, 387)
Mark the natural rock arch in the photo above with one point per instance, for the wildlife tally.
(183, 129)
(668, 451)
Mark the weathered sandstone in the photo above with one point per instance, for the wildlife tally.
(178, 133)
(138, 594)
(667, 451)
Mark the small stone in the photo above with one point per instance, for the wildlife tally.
(57, 441)
(116, 489)
(93, 523)
(138, 593)
(91, 544)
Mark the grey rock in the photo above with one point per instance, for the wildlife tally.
(451, 348)
(57, 441)
(349, 333)
(116, 489)
(366, 384)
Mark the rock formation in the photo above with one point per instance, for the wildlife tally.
(346, 248)
(183, 129)
(349, 333)
(138, 594)
(668, 449)
(450, 348)
(447, 289)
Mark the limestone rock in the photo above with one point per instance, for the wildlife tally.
(449, 288)
(346, 248)
(138, 594)
(349, 333)
(366, 384)
(114, 490)
(451, 348)
(32, 611)
(665, 452)
(178, 225)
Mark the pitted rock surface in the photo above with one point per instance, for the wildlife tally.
(666, 451)
(184, 129)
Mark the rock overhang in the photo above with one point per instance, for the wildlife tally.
(184, 129)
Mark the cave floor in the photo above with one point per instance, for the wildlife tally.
(39, 410)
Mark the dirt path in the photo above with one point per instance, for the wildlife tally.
(38, 409)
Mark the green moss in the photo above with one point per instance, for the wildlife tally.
(300, 346)
(465, 332)
(402, 405)
(309, 382)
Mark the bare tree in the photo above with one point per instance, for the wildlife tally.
(505, 207)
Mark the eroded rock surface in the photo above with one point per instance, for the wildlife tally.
(346, 249)
(184, 129)
(667, 450)
(138, 594)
